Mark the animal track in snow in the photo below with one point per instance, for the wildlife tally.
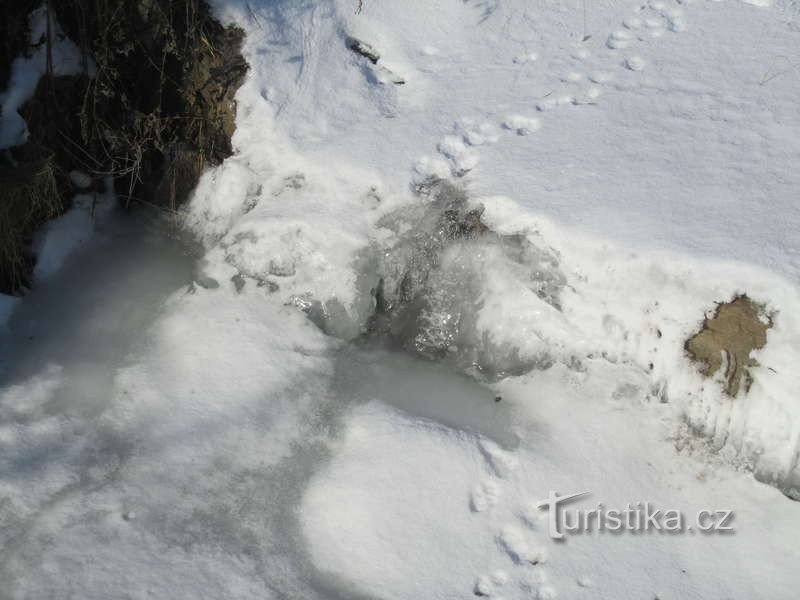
(522, 125)
(476, 138)
(632, 22)
(573, 77)
(452, 146)
(588, 96)
(486, 585)
(484, 496)
(456, 152)
(456, 155)
(619, 39)
(634, 63)
(653, 23)
(651, 19)
(581, 54)
(502, 462)
(536, 583)
(533, 516)
(462, 159)
(601, 77)
(515, 542)
(477, 134)
(546, 592)
(522, 59)
(432, 166)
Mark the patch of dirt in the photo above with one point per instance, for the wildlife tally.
(160, 105)
(726, 340)
(153, 111)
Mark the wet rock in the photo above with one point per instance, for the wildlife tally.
(726, 340)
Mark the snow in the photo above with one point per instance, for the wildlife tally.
(392, 511)
(390, 483)
(26, 72)
(59, 237)
(235, 436)
(7, 304)
(80, 179)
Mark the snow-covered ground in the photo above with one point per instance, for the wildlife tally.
(636, 165)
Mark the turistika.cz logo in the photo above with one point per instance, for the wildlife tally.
(636, 518)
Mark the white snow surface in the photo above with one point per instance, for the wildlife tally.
(233, 456)
(61, 236)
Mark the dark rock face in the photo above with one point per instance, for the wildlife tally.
(153, 107)
(737, 328)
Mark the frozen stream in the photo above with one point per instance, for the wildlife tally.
(160, 436)
(89, 316)
(64, 350)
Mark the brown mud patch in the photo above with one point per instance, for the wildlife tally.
(726, 340)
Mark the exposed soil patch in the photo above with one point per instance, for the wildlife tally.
(726, 340)
(152, 108)
(159, 106)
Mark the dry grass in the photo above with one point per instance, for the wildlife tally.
(28, 196)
